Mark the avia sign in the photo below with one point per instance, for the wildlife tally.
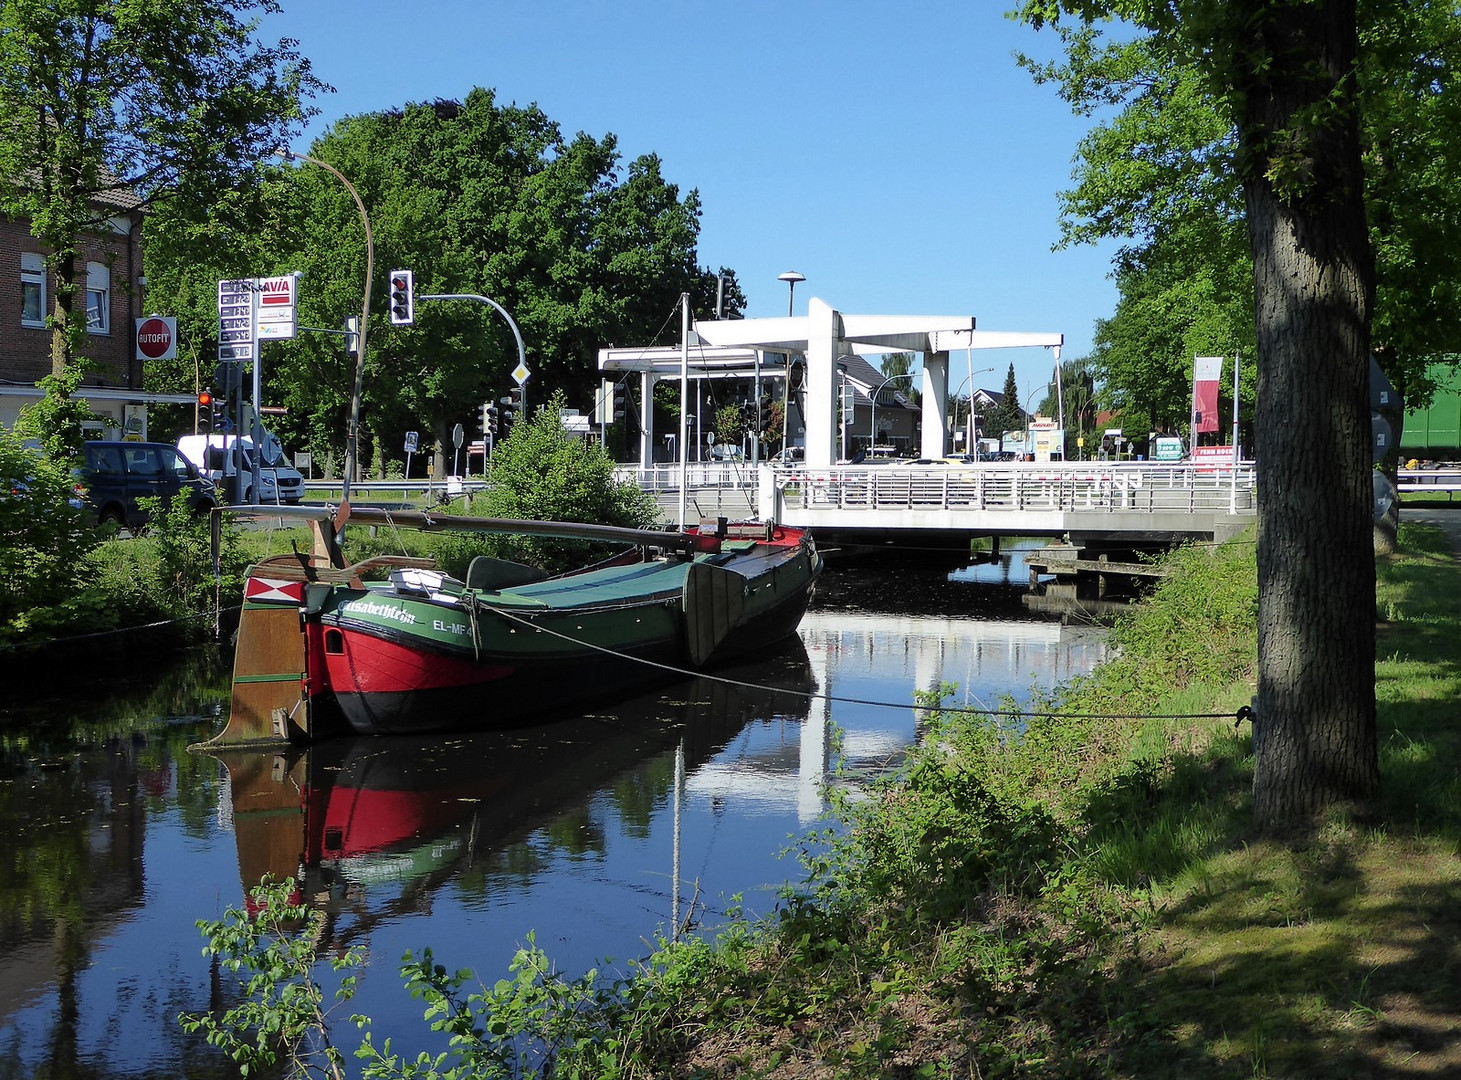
(276, 292)
(157, 337)
(274, 317)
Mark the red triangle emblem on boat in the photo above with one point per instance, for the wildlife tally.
(272, 591)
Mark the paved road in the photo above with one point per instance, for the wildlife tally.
(1446, 517)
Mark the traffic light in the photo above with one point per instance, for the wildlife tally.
(512, 406)
(205, 411)
(489, 420)
(403, 298)
(620, 401)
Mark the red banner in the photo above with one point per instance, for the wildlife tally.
(1205, 375)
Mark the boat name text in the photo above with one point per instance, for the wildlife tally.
(379, 610)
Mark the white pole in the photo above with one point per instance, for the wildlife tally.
(1233, 502)
(1237, 383)
(1059, 392)
(684, 401)
(675, 855)
(756, 435)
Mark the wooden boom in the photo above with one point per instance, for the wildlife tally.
(428, 521)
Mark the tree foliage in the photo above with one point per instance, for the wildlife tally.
(147, 99)
(1162, 172)
(1007, 415)
(43, 537)
(541, 472)
(477, 197)
(1074, 400)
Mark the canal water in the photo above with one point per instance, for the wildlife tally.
(593, 832)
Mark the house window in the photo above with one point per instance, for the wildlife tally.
(32, 290)
(98, 298)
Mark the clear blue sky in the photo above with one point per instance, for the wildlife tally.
(893, 153)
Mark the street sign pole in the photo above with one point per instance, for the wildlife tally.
(256, 429)
(238, 343)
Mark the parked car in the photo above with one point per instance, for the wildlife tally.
(117, 474)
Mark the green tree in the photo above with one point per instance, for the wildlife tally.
(1176, 302)
(44, 536)
(1161, 175)
(1286, 75)
(541, 472)
(730, 423)
(490, 199)
(1075, 400)
(1007, 415)
(157, 99)
(894, 367)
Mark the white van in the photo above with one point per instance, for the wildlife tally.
(216, 457)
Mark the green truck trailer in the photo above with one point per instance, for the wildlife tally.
(1434, 434)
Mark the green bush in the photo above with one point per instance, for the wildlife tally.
(43, 540)
(541, 472)
(66, 578)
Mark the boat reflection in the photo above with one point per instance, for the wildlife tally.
(374, 824)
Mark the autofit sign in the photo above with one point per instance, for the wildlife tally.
(157, 337)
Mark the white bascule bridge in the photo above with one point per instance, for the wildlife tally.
(818, 343)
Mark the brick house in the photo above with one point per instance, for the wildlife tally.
(110, 278)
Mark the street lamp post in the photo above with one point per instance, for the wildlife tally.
(352, 432)
(873, 419)
(791, 277)
(954, 400)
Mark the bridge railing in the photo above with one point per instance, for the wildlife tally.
(1064, 486)
(321, 490)
(701, 474)
(1074, 486)
(1429, 482)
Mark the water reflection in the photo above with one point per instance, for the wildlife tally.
(593, 831)
(374, 826)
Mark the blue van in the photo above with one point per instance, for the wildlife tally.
(117, 474)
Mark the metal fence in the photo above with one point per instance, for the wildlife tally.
(1059, 486)
(1072, 486)
(403, 490)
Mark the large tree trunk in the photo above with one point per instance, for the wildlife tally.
(1314, 737)
(63, 311)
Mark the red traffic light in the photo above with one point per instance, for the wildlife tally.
(205, 399)
(403, 297)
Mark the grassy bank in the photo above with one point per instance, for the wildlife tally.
(1087, 900)
(1069, 893)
